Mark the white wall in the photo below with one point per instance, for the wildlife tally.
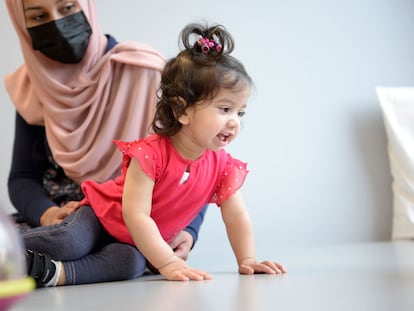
(313, 134)
(10, 58)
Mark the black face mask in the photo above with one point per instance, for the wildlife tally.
(64, 40)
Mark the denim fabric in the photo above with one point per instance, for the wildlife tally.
(88, 252)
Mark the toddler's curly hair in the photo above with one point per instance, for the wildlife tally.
(195, 75)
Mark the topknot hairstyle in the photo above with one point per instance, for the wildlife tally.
(197, 73)
(208, 43)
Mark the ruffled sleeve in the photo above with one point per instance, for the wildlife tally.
(232, 179)
(140, 150)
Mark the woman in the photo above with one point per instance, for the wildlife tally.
(77, 91)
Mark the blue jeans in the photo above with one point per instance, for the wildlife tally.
(89, 254)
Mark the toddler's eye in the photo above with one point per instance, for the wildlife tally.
(225, 109)
(241, 114)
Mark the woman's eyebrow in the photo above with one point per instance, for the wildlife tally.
(37, 7)
(31, 8)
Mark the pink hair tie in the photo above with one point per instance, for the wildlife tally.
(204, 45)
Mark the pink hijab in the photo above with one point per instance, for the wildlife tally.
(85, 106)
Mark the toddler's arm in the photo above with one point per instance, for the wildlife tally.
(136, 205)
(240, 232)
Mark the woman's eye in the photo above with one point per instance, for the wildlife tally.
(68, 8)
(38, 17)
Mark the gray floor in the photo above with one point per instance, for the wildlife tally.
(374, 276)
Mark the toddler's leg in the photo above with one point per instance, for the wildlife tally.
(114, 262)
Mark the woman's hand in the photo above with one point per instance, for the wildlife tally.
(178, 270)
(182, 244)
(55, 215)
(252, 266)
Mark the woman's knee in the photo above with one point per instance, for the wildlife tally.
(72, 239)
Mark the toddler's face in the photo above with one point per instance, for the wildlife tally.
(214, 123)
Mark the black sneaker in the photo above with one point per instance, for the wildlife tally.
(40, 267)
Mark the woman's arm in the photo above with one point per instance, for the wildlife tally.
(137, 204)
(240, 232)
(194, 227)
(27, 166)
(184, 241)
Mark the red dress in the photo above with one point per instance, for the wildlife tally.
(212, 179)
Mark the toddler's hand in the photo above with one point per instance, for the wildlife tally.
(178, 270)
(251, 266)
